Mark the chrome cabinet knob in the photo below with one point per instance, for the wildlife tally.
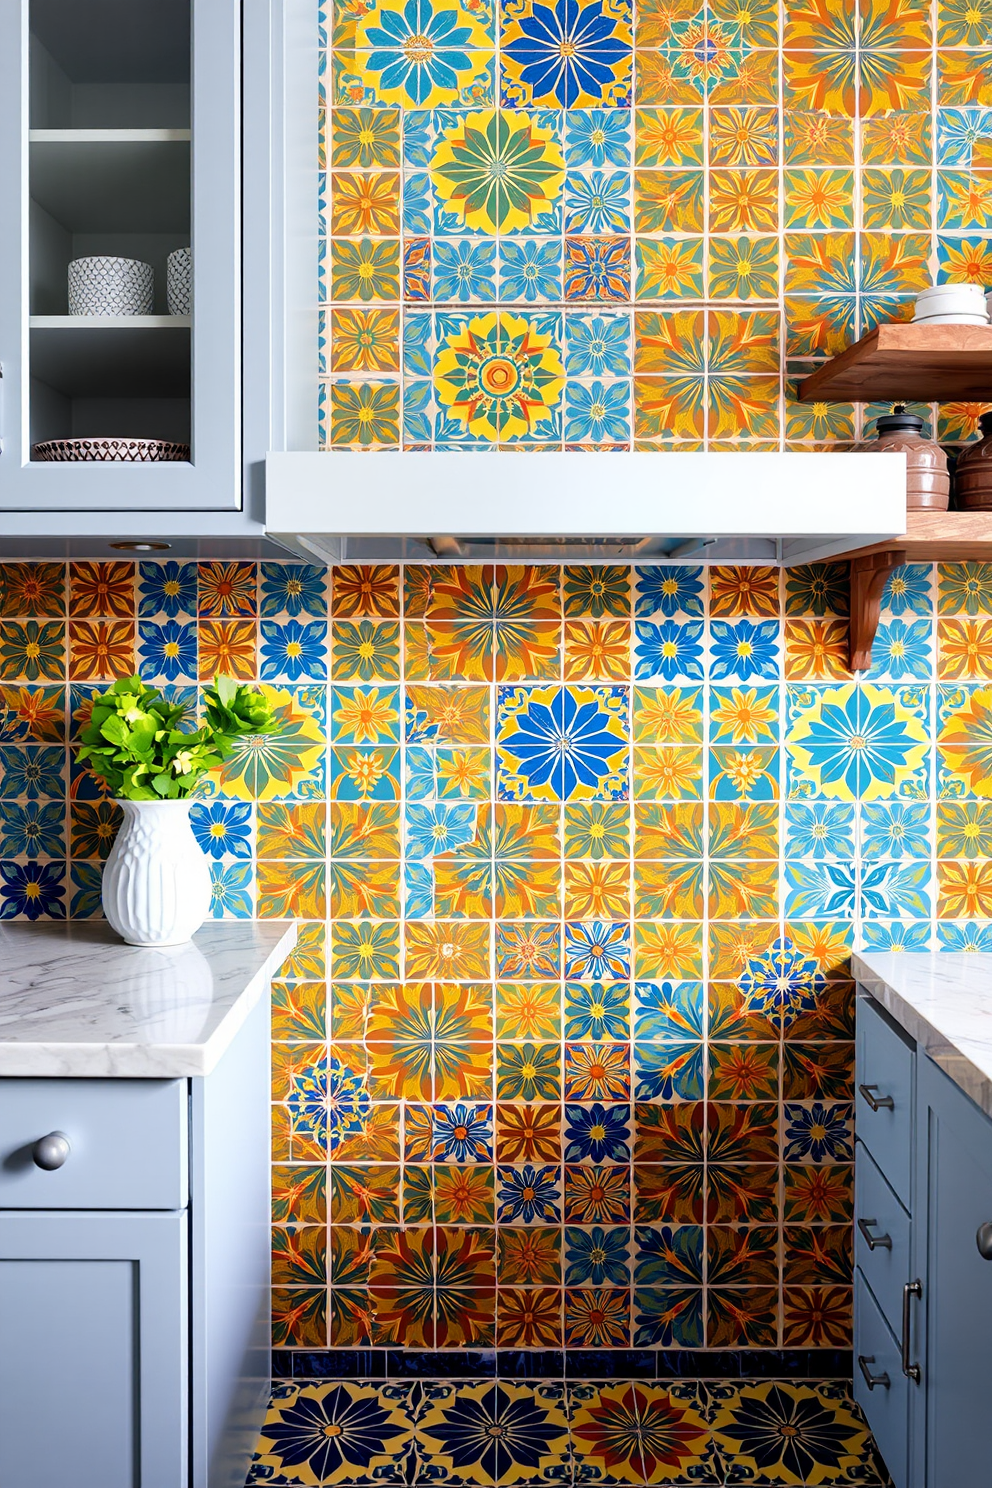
(983, 1239)
(51, 1152)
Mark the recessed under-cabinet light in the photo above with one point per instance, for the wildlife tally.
(141, 547)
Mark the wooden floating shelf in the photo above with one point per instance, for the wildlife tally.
(938, 537)
(907, 363)
(930, 537)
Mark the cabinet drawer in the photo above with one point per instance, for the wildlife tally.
(879, 1216)
(127, 1139)
(886, 1405)
(884, 1099)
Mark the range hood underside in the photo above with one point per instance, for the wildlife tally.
(574, 548)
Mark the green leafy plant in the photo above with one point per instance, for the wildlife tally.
(134, 743)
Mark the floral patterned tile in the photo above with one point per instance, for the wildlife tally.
(637, 1433)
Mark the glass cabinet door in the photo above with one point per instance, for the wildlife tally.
(120, 255)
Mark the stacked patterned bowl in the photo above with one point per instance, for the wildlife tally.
(110, 286)
(951, 304)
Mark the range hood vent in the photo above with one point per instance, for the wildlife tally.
(593, 507)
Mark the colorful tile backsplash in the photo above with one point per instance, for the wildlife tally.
(563, 1057)
(594, 225)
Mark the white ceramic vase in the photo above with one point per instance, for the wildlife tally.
(156, 883)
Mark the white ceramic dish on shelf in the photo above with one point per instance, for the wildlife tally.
(110, 286)
(951, 319)
(108, 451)
(952, 304)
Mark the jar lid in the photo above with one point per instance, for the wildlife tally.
(985, 423)
(899, 419)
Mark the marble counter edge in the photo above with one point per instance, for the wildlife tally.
(120, 1060)
(947, 1054)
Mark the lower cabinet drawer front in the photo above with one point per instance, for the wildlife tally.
(127, 1139)
(886, 1402)
(883, 1107)
(880, 1218)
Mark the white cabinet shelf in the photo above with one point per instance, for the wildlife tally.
(110, 322)
(109, 136)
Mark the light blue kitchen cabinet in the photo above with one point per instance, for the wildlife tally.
(130, 128)
(923, 1284)
(134, 1275)
(954, 1184)
(100, 1300)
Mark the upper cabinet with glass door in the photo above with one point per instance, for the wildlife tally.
(120, 139)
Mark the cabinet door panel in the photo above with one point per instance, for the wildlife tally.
(956, 1142)
(52, 388)
(885, 1062)
(879, 1212)
(886, 1404)
(93, 1350)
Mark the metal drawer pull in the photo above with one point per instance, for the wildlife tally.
(983, 1239)
(874, 1242)
(871, 1380)
(51, 1152)
(877, 1102)
(911, 1289)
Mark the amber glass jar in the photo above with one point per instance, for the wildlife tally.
(973, 475)
(928, 484)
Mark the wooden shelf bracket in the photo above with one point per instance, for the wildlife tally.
(868, 576)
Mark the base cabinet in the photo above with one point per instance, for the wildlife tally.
(135, 1276)
(99, 1300)
(880, 1387)
(923, 1287)
(954, 1168)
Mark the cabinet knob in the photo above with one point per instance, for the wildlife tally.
(877, 1102)
(874, 1242)
(983, 1239)
(51, 1152)
(871, 1380)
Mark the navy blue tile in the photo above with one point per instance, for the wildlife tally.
(754, 1364)
(530, 1364)
(610, 1364)
(408, 1364)
(339, 1364)
(554, 1364)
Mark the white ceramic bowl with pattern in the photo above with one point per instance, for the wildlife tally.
(110, 286)
(179, 282)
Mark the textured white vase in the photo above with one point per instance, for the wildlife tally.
(156, 884)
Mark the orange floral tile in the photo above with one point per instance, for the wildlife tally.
(227, 648)
(100, 650)
(101, 590)
(816, 650)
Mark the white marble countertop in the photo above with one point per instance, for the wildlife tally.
(944, 1001)
(76, 1001)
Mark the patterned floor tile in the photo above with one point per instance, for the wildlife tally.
(618, 1433)
(496, 1434)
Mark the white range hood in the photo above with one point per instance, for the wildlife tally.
(594, 507)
